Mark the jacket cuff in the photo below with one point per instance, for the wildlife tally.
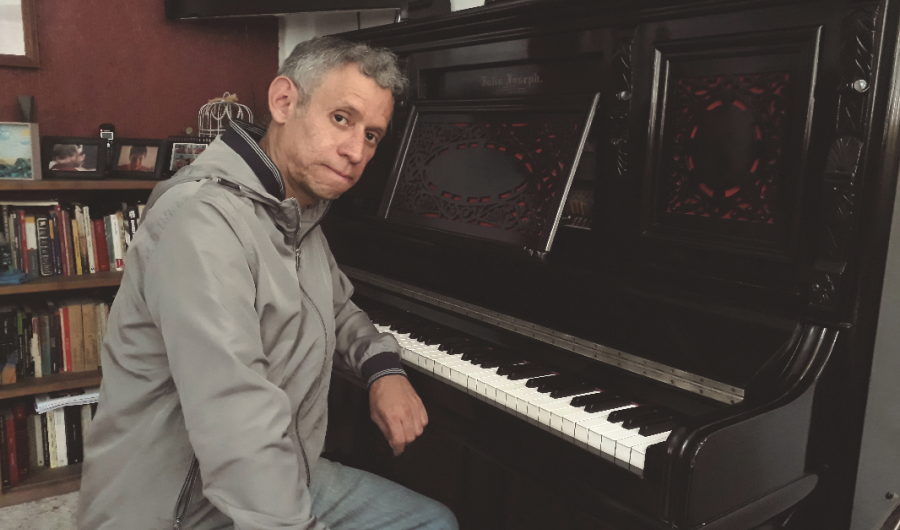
(380, 365)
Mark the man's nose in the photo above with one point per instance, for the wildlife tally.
(353, 147)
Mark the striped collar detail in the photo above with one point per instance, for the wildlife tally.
(244, 138)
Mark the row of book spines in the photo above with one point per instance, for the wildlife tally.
(66, 243)
(64, 338)
(30, 441)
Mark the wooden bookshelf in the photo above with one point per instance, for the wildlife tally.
(43, 482)
(76, 185)
(51, 284)
(50, 383)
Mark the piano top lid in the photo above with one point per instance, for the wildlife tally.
(492, 170)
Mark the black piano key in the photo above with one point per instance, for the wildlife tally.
(501, 362)
(506, 370)
(599, 397)
(500, 356)
(607, 405)
(472, 352)
(656, 428)
(528, 374)
(571, 391)
(535, 383)
(627, 414)
(550, 385)
(647, 419)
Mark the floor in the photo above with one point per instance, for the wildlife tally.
(52, 513)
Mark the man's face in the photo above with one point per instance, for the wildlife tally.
(327, 144)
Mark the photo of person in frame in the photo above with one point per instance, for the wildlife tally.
(183, 154)
(72, 157)
(137, 158)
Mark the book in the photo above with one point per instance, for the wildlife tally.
(87, 415)
(110, 243)
(60, 223)
(89, 238)
(46, 360)
(120, 228)
(100, 245)
(31, 246)
(62, 449)
(51, 439)
(65, 398)
(45, 439)
(74, 445)
(76, 247)
(23, 248)
(38, 432)
(45, 254)
(117, 244)
(76, 335)
(90, 337)
(66, 364)
(54, 337)
(23, 454)
(12, 460)
(36, 344)
(33, 450)
(69, 253)
(54, 244)
(4, 454)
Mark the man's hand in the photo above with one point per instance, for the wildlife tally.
(397, 410)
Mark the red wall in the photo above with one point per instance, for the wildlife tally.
(122, 62)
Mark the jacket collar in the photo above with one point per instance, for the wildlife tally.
(244, 139)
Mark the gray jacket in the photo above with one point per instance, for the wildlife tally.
(220, 344)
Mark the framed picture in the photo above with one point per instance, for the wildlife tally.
(18, 34)
(137, 158)
(19, 151)
(66, 157)
(181, 151)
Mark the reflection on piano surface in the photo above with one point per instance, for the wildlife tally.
(621, 245)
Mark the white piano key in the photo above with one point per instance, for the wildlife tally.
(625, 446)
(639, 452)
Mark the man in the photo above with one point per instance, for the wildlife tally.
(68, 157)
(230, 315)
(136, 156)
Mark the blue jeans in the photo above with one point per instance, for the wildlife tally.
(344, 498)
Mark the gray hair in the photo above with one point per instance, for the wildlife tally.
(313, 59)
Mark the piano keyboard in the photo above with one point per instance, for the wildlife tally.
(598, 420)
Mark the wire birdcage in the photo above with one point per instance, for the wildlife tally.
(215, 116)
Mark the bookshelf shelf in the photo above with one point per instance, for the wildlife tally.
(50, 383)
(76, 185)
(49, 284)
(43, 483)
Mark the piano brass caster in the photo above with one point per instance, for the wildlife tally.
(890, 495)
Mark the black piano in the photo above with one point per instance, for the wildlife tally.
(633, 252)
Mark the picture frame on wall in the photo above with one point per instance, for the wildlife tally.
(137, 158)
(69, 157)
(20, 157)
(181, 151)
(18, 34)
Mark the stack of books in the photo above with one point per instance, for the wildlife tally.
(51, 338)
(30, 441)
(46, 238)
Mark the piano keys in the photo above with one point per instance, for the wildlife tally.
(588, 416)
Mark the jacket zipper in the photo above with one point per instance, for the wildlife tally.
(324, 331)
(187, 492)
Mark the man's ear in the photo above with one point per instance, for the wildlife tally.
(283, 99)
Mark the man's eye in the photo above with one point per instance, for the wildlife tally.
(372, 138)
(340, 119)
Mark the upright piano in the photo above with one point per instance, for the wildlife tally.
(633, 252)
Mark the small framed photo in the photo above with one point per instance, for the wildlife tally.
(68, 157)
(181, 151)
(136, 158)
(19, 151)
